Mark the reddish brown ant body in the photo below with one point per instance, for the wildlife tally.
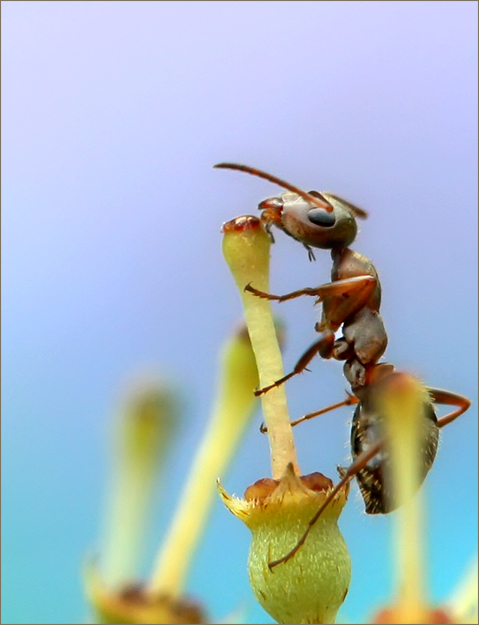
(351, 300)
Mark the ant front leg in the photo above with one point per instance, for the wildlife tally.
(281, 298)
(346, 476)
(447, 398)
(345, 297)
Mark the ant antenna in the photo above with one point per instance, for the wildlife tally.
(282, 183)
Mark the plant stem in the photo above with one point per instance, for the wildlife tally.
(246, 249)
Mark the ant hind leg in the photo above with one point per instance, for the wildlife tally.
(448, 398)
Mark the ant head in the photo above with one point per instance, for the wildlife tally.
(315, 219)
(315, 226)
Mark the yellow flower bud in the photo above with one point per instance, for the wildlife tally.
(311, 586)
(135, 604)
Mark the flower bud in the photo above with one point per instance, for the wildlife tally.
(135, 604)
(310, 586)
(390, 616)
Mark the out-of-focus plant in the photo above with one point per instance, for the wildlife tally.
(401, 403)
(142, 435)
(142, 438)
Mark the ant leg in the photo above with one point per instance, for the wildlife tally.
(349, 401)
(281, 298)
(347, 475)
(356, 292)
(348, 286)
(344, 300)
(447, 398)
(321, 346)
(311, 255)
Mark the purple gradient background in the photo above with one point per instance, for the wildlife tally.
(113, 115)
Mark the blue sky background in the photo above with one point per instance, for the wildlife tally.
(113, 114)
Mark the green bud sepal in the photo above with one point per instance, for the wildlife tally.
(312, 585)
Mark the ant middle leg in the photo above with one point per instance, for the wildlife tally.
(349, 401)
(322, 346)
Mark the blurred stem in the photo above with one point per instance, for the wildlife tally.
(410, 560)
(235, 405)
(403, 405)
(142, 436)
(246, 249)
(124, 540)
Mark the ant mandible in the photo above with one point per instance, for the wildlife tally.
(352, 300)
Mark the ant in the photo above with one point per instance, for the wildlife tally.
(351, 300)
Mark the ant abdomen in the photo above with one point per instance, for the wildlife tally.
(375, 477)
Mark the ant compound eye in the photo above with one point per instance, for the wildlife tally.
(321, 217)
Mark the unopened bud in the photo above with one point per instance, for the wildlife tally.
(135, 604)
(312, 585)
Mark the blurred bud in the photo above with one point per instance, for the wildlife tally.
(411, 433)
(280, 331)
(392, 616)
(312, 585)
(147, 425)
(133, 604)
(238, 379)
(463, 603)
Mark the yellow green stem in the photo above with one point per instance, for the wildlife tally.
(246, 249)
